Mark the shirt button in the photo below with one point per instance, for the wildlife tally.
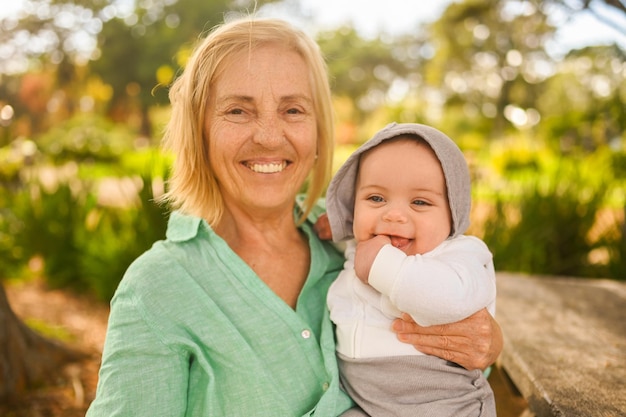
(325, 386)
(305, 334)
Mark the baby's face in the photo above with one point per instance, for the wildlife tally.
(401, 193)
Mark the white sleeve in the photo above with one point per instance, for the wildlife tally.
(445, 285)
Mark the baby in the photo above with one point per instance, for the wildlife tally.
(403, 198)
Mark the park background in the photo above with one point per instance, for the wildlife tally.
(538, 111)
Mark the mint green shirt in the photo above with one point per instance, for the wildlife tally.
(193, 331)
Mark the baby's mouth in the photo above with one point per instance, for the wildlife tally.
(399, 242)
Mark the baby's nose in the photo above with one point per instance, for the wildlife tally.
(395, 214)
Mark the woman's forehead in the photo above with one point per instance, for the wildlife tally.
(270, 66)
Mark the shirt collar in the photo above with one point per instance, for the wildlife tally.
(182, 227)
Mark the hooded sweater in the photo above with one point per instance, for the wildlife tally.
(447, 284)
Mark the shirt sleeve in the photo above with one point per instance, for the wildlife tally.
(140, 374)
(446, 285)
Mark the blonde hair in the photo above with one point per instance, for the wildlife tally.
(192, 187)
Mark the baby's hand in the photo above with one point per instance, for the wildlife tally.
(322, 228)
(366, 252)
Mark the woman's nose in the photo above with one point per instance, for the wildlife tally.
(269, 132)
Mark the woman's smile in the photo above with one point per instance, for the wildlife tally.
(266, 167)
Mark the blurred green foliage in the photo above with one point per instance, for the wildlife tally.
(113, 237)
(545, 136)
(86, 138)
(558, 216)
(53, 214)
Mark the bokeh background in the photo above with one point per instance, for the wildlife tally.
(532, 91)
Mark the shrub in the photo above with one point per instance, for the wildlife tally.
(57, 214)
(86, 137)
(113, 237)
(547, 227)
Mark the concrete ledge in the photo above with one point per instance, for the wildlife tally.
(565, 343)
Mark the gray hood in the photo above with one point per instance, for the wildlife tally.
(340, 194)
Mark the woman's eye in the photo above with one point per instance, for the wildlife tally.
(296, 113)
(237, 115)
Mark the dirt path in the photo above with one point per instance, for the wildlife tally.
(85, 322)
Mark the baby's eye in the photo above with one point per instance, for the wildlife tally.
(376, 198)
(420, 203)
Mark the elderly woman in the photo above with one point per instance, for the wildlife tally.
(227, 315)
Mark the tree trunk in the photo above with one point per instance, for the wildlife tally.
(27, 359)
(146, 124)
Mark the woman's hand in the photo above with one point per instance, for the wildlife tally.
(322, 227)
(473, 343)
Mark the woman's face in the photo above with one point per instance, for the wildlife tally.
(401, 193)
(261, 129)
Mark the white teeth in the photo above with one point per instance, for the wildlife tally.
(267, 168)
